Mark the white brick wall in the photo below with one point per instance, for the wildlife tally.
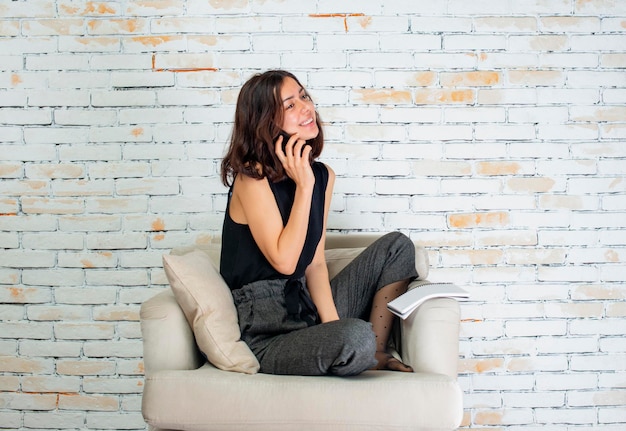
(491, 132)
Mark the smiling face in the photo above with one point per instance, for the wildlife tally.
(298, 110)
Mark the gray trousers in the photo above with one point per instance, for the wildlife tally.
(286, 343)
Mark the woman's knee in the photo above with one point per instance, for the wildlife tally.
(357, 347)
(400, 242)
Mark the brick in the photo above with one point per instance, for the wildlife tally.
(90, 223)
(536, 257)
(87, 260)
(45, 348)
(22, 401)
(535, 399)
(9, 383)
(115, 421)
(55, 312)
(536, 328)
(468, 220)
(23, 295)
(147, 8)
(9, 207)
(471, 257)
(566, 381)
(83, 331)
(598, 362)
(112, 385)
(51, 241)
(58, 420)
(52, 205)
(26, 259)
(11, 364)
(88, 402)
(43, 384)
(85, 295)
(53, 277)
(26, 116)
(24, 188)
(552, 344)
(114, 313)
(118, 278)
(85, 367)
(56, 61)
(123, 98)
(566, 415)
(444, 96)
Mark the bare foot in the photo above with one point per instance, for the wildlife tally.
(388, 362)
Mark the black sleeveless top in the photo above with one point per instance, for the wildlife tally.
(242, 261)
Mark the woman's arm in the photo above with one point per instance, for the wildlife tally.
(254, 204)
(317, 279)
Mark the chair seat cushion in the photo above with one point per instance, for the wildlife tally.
(208, 399)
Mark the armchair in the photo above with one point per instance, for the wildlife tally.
(185, 392)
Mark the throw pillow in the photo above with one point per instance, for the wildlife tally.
(208, 305)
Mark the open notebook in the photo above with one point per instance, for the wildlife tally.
(404, 304)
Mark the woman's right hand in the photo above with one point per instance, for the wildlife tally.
(296, 160)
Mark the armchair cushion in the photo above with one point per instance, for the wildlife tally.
(208, 306)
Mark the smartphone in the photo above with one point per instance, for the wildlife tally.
(286, 136)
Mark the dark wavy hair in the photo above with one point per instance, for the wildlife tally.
(258, 120)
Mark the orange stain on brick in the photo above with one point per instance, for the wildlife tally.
(442, 96)
(17, 293)
(469, 220)
(345, 17)
(381, 96)
(16, 79)
(138, 131)
(488, 418)
(152, 40)
(481, 366)
(365, 21)
(204, 239)
(611, 256)
(36, 185)
(129, 25)
(158, 224)
(87, 264)
(159, 237)
(474, 78)
(424, 79)
(180, 69)
(497, 168)
(530, 185)
(615, 183)
(99, 8)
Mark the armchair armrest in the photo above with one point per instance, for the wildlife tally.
(168, 341)
(430, 337)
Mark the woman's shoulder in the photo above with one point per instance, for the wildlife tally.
(245, 185)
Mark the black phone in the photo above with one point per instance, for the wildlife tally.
(286, 136)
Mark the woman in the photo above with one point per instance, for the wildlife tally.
(293, 318)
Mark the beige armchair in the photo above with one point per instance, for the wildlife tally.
(185, 392)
